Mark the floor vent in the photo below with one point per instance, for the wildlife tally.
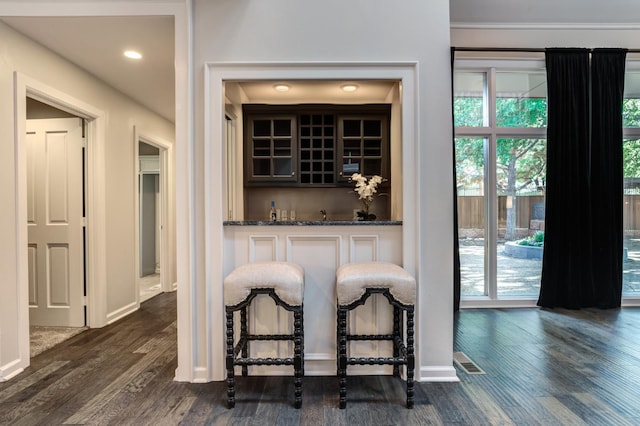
(465, 363)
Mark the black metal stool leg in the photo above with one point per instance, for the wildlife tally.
(302, 339)
(338, 343)
(297, 355)
(342, 355)
(397, 333)
(410, 358)
(231, 390)
(244, 332)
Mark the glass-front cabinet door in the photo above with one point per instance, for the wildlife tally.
(273, 149)
(363, 146)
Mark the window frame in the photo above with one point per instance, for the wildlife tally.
(490, 132)
(632, 65)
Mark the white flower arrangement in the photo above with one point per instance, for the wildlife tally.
(366, 189)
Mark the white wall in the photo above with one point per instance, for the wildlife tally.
(339, 31)
(18, 53)
(529, 36)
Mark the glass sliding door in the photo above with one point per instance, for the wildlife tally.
(500, 119)
(631, 184)
(631, 218)
(520, 171)
(470, 173)
(471, 113)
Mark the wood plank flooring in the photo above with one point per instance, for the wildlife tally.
(542, 368)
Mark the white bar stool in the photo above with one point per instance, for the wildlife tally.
(284, 283)
(355, 283)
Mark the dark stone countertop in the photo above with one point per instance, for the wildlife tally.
(311, 223)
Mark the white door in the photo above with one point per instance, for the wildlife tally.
(55, 197)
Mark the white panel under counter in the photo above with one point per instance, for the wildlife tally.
(320, 248)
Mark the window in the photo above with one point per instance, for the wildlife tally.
(631, 182)
(500, 114)
(500, 127)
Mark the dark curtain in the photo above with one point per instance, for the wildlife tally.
(456, 243)
(607, 93)
(582, 260)
(566, 266)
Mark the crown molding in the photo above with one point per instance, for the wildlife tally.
(543, 26)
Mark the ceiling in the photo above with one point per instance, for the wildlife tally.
(96, 44)
(328, 91)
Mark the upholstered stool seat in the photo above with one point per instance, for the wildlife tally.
(355, 282)
(284, 283)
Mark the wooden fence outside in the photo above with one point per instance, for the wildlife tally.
(471, 211)
(530, 212)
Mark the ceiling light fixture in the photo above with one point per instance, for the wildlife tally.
(350, 87)
(281, 87)
(132, 54)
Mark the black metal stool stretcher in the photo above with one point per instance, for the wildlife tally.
(355, 283)
(284, 283)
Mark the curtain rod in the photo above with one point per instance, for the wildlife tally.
(511, 49)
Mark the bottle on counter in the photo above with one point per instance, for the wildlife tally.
(273, 216)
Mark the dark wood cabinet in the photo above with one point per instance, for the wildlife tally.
(317, 149)
(363, 145)
(270, 146)
(315, 145)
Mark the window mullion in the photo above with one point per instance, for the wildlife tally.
(491, 205)
(491, 218)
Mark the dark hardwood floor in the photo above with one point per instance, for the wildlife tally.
(542, 368)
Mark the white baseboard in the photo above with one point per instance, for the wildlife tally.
(201, 375)
(10, 370)
(438, 374)
(122, 312)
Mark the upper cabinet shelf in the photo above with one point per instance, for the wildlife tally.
(314, 145)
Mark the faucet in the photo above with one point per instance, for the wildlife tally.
(324, 214)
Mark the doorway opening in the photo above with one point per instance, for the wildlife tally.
(149, 220)
(56, 170)
(91, 211)
(152, 209)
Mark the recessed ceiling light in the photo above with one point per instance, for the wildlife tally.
(349, 87)
(132, 54)
(281, 87)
